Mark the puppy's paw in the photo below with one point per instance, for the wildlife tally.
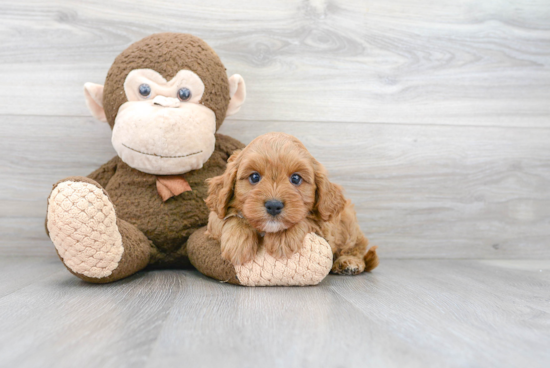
(348, 265)
(239, 246)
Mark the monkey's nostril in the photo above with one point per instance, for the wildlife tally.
(166, 101)
(274, 207)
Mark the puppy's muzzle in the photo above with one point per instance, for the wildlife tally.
(274, 207)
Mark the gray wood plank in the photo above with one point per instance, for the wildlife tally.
(414, 313)
(214, 324)
(462, 63)
(420, 191)
(19, 272)
(483, 314)
(63, 322)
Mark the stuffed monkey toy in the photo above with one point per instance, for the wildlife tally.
(164, 98)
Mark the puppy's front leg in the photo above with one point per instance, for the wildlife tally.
(215, 226)
(284, 244)
(239, 241)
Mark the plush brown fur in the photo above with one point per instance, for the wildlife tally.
(205, 255)
(168, 224)
(155, 232)
(168, 53)
(239, 217)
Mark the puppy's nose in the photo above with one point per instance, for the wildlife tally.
(274, 207)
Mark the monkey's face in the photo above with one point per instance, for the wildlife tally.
(160, 126)
(164, 129)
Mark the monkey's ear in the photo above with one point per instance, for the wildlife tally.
(237, 93)
(94, 100)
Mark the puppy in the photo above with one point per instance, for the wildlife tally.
(272, 194)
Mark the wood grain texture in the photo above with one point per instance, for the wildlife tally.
(270, 327)
(419, 191)
(469, 312)
(17, 272)
(434, 117)
(461, 63)
(413, 313)
(65, 322)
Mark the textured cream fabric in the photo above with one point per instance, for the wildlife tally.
(308, 267)
(82, 226)
(162, 140)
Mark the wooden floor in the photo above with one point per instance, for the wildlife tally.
(433, 115)
(407, 313)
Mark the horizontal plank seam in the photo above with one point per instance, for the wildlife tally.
(496, 126)
(382, 258)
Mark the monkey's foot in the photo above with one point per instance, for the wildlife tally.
(82, 224)
(307, 267)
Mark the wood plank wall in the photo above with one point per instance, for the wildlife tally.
(434, 116)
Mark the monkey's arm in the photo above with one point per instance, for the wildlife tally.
(227, 144)
(307, 267)
(105, 172)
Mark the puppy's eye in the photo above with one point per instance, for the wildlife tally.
(184, 94)
(254, 178)
(295, 179)
(144, 90)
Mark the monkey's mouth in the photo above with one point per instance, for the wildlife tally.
(160, 156)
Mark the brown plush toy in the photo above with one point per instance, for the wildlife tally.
(164, 99)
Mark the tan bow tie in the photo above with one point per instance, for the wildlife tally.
(171, 185)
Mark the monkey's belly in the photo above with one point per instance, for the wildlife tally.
(167, 224)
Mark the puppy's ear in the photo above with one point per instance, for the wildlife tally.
(220, 188)
(329, 197)
(234, 156)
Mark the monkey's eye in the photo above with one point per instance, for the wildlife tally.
(254, 178)
(296, 179)
(184, 94)
(144, 90)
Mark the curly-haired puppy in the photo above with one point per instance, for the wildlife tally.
(272, 194)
